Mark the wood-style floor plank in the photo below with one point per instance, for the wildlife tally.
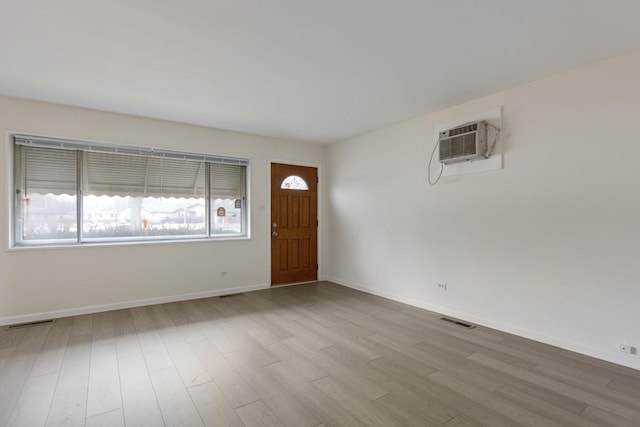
(185, 315)
(189, 367)
(127, 342)
(588, 386)
(408, 393)
(231, 384)
(10, 338)
(354, 403)
(313, 355)
(52, 353)
(74, 372)
(104, 380)
(625, 410)
(558, 415)
(31, 343)
(139, 402)
(82, 325)
(103, 328)
(5, 356)
(295, 360)
(68, 409)
(213, 407)
(368, 389)
(32, 408)
(628, 386)
(108, 419)
(453, 365)
(601, 417)
(409, 412)
(258, 414)
(282, 403)
(311, 397)
(492, 401)
(155, 353)
(174, 400)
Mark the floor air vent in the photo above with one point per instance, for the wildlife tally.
(230, 295)
(26, 325)
(458, 322)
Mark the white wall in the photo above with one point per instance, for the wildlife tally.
(548, 247)
(38, 283)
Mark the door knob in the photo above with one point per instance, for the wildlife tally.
(274, 234)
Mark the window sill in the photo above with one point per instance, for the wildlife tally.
(101, 244)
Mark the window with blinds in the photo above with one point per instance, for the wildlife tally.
(75, 192)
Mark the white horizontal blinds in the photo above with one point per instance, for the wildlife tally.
(65, 144)
(48, 171)
(227, 181)
(109, 169)
(113, 175)
(142, 176)
(176, 178)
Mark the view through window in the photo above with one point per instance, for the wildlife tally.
(137, 196)
(294, 182)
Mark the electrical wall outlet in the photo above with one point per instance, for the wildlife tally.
(626, 348)
(442, 286)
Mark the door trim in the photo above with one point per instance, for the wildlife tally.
(318, 166)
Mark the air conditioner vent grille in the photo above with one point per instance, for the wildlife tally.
(467, 142)
(464, 129)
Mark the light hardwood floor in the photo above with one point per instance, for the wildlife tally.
(307, 355)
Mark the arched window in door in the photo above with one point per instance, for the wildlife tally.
(294, 182)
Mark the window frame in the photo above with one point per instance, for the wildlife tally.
(80, 147)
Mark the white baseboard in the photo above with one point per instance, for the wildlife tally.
(555, 341)
(12, 320)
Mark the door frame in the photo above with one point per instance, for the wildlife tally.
(318, 166)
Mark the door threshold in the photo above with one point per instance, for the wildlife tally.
(280, 285)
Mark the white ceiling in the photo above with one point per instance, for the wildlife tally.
(313, 70)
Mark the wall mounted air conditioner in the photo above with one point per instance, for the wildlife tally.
(463, 143)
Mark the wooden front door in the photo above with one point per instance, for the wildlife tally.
(294, 224)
